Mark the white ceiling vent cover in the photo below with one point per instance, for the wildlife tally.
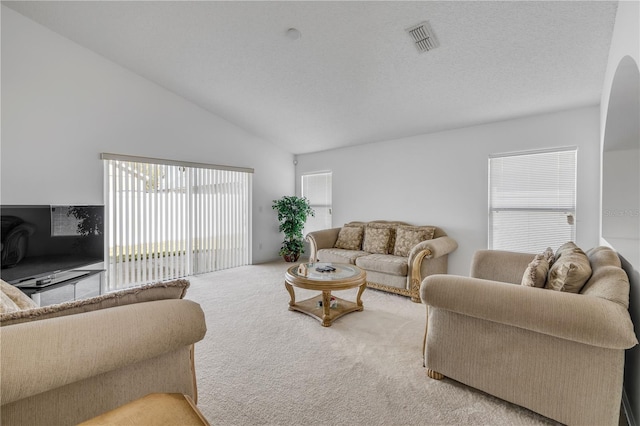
(423, 37)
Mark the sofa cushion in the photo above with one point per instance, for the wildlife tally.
(337, 255)
(146, 293)
(385, 263)
(603, 256)
(376, 240)
(12, 299)
(608, 279)
(350, 238)
(570, 271)
(536, 273)
(409, 236)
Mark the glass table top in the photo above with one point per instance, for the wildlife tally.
(315, 271)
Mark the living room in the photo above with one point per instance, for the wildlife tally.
(63, 105)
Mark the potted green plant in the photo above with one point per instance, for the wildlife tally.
(292, 215)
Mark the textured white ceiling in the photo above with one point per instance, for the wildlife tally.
(354, 76)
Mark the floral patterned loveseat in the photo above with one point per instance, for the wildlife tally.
(396, 256)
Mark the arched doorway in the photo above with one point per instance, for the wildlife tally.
(621, 163)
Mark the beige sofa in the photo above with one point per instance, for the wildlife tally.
(395, 261)
(63, 364)
(557, 353)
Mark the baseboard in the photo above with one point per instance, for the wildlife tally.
(628, 413)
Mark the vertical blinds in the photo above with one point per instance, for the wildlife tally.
(166, 221)
(316, 188)
(532, 200)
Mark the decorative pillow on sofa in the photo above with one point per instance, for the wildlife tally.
(350, 237)
(376, 240)
(13, 300)
(565, 248)
(391, 226)
(146, 293)
(536, 273)
(570, 271)
(408, 237)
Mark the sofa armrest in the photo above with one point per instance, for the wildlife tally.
(498, 265)
(584, 319)
(325, 238)
(435, 248)
(427, 258)
(38, 356)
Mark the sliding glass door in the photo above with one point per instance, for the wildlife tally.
(168, 219)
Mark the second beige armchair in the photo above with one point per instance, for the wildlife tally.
(556, 353)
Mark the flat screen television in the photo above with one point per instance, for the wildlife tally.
(39, 240)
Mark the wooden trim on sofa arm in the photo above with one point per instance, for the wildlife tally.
(416, 277)
(401, 291)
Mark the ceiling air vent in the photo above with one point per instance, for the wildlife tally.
(423, 37)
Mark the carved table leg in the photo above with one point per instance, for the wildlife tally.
(326, 302)
(289, 288)
(360, 291)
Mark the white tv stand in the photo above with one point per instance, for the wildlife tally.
(64, 286)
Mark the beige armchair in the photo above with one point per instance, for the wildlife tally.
(556, 353)
(63, 364)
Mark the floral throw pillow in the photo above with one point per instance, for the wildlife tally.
(408, 237)
(570, 271)
(376, 240)
(536, 273)
(392, 232)
(350, 238)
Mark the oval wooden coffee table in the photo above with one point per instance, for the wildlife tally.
(343, 278)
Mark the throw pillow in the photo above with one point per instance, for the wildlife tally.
(570, 271)
(565, 248)
(408, 237)
(376, 240)
(536, 273)
(350, 238)
(391, 226)
(146, 293)
(13, 299)
(549, 256)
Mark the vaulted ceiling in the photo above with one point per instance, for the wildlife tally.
(354, 75)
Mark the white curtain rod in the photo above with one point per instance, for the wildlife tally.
(120, 157)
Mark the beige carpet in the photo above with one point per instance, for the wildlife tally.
(261, 364)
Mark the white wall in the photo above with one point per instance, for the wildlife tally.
(442, 178)
(626, 42)
(619, 204)
(62, 105)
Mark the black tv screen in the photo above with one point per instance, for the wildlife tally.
(41, 239)
(73, 221)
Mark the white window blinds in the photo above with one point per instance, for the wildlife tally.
(316, 188)
(167, 220)
(532, 200)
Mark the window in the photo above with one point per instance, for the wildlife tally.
(532, 200)
(167, 219)
(316, 187)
